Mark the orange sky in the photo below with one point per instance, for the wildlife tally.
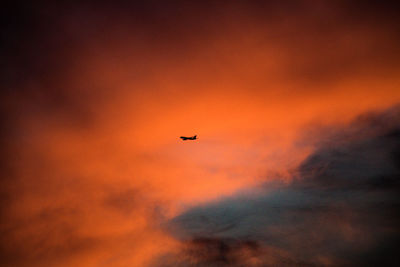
(96, 161)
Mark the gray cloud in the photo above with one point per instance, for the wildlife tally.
(342, 208)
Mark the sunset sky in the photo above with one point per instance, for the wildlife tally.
(296, 109)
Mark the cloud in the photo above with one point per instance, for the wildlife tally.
(341, 208)
(94, 96)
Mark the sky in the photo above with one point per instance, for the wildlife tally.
(296, 109)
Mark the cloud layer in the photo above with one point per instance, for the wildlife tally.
(341, 209)
(94, 96)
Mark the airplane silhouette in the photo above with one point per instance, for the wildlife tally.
(184, 138)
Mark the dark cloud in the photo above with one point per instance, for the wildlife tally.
(331, 41)
(342, 208)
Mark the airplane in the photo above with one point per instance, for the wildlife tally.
(184, 138)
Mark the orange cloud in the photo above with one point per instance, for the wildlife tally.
(93, 160)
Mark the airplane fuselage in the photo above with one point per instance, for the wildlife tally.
(184, 138)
